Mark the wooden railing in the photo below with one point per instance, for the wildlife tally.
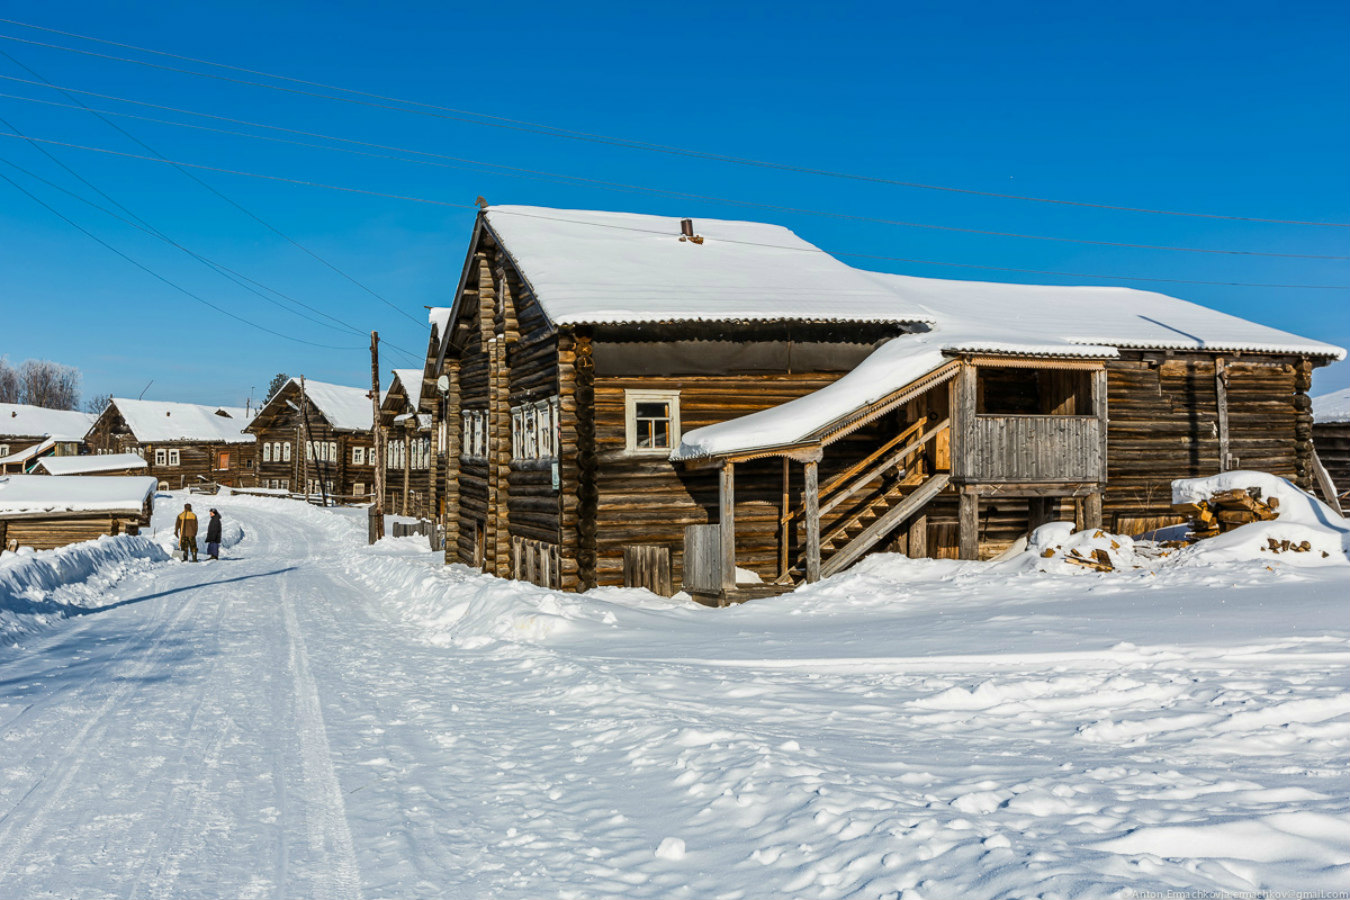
(1031, 449)
(858, 476)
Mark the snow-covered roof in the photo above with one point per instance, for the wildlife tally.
(594, 267)
(22, 420)
(412, 384)
(1333, 407)
(439, 318)
(345, 408)
(161, 420)
(24, 455)
(1115, 316)
(73, 493)
(85, 465)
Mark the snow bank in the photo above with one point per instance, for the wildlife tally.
(37, 587)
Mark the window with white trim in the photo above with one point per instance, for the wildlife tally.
(161, 457)
(359, 458)
(286, 456)
(267, 453)
(534, 430)
(474, 444)
(4, 449)
(175, 458)
(651, 421)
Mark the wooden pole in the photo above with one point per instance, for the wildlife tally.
(1221, 401)
(407, 462)
(726, 514)
(784, 521)
(307, 443)
(376, 528)
(812, 504)
(969, 524)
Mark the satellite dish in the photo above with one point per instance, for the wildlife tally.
(443, 384)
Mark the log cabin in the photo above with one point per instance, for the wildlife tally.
(1331, 437)
(29, 433)
(183, 444)
(723, 407)
(407, 446)
(48, 511)
(316, 438)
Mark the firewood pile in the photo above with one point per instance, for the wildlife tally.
(1226, 510)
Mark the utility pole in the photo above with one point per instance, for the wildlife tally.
(376, 529)
(309, 443)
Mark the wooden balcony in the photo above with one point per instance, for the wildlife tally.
(1031, 449)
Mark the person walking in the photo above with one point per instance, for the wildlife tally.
(213, 536)
(185, 529)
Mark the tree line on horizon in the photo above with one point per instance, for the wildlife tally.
(44, 383)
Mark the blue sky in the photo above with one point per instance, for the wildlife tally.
(1238, 109)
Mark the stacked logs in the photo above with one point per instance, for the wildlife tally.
(1227, 510)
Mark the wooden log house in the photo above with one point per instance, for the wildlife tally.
(1331, 437)
(720, 406)
(316, 438)
(48, 511)
(408, 446)
(30, 433)
(183, 444)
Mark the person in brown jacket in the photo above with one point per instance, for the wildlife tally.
(185, 529)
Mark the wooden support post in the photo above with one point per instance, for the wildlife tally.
(376, 525)
(918, 537)
(1103, 412)
(963, 405)
(726, 517)
(812, 504)
(1221, 401)
(1092, 511)
(969, 526)
(784, 519)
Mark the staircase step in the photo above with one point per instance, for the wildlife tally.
(855, 548)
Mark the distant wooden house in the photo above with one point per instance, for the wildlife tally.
(99, 465)
(722, 406)
(183, 444)
(29, 433)
(47, 511)
(408, 446)
(1331, 435)
(317, 440)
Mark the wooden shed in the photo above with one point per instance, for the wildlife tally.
(30, 433)
(99, 465)
(723, 407)
(47, 511)
(183, 444)
(1331, 435)
(316, 438)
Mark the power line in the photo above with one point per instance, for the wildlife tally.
(494, 121)
(278, 232)
(89, 234)
(836, 252)
(520, 172)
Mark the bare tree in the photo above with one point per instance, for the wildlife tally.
(49, 384)
(9, 382)
(97, 403)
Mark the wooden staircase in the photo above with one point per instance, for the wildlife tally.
(876, 521)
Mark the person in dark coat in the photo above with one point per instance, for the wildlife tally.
(213, 535)
(185, 529)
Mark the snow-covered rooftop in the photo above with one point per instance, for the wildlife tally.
(412, 384)
(22, 420)
(439, 318)
(345, 408)
(24, 455)
(595, 267)
(1333, 407)
(72, 493)
(161, 420)
(85, 465)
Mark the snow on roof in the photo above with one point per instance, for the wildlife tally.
(22, 420)
(84, 465)
(439, 317)
(1333, 407)
(412, 384)
(22, 456)
(161, 420)
(345, 408)
(594, 267)
(1115, 316)
(73, 493)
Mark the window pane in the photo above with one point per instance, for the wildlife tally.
(649, 410)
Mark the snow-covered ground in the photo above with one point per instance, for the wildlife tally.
(312, 717)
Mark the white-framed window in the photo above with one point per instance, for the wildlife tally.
(534, 430)
(475, 434)
(651, 421)
(161, 457)
(332, 451)
(4, 449)
(359, 458)
(175, 458)
(267, 453)
(286, 456)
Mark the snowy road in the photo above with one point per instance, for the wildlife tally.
(313, 719)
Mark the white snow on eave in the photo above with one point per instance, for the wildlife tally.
(22, 456)
(412, 384)
(439, 319)
(1333, 407)
(76, 465)
(73, 493)
(159, 421)
(604, 267)
(345, 408)
(24, 420)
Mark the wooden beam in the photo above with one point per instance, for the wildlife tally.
(969, 525)
(1092, 511)
(962, 415)
(1221, 401)
(918, 537)
(812, 504)
(1101, 407)
(726, 517)
(785, 519)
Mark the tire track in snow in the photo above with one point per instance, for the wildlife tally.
(325, 810)
(27, 817)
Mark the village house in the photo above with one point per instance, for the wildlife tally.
(317, 438)
(723, 407)
(407, 448)
(47, 511)
(183, 444)
(29, 433)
